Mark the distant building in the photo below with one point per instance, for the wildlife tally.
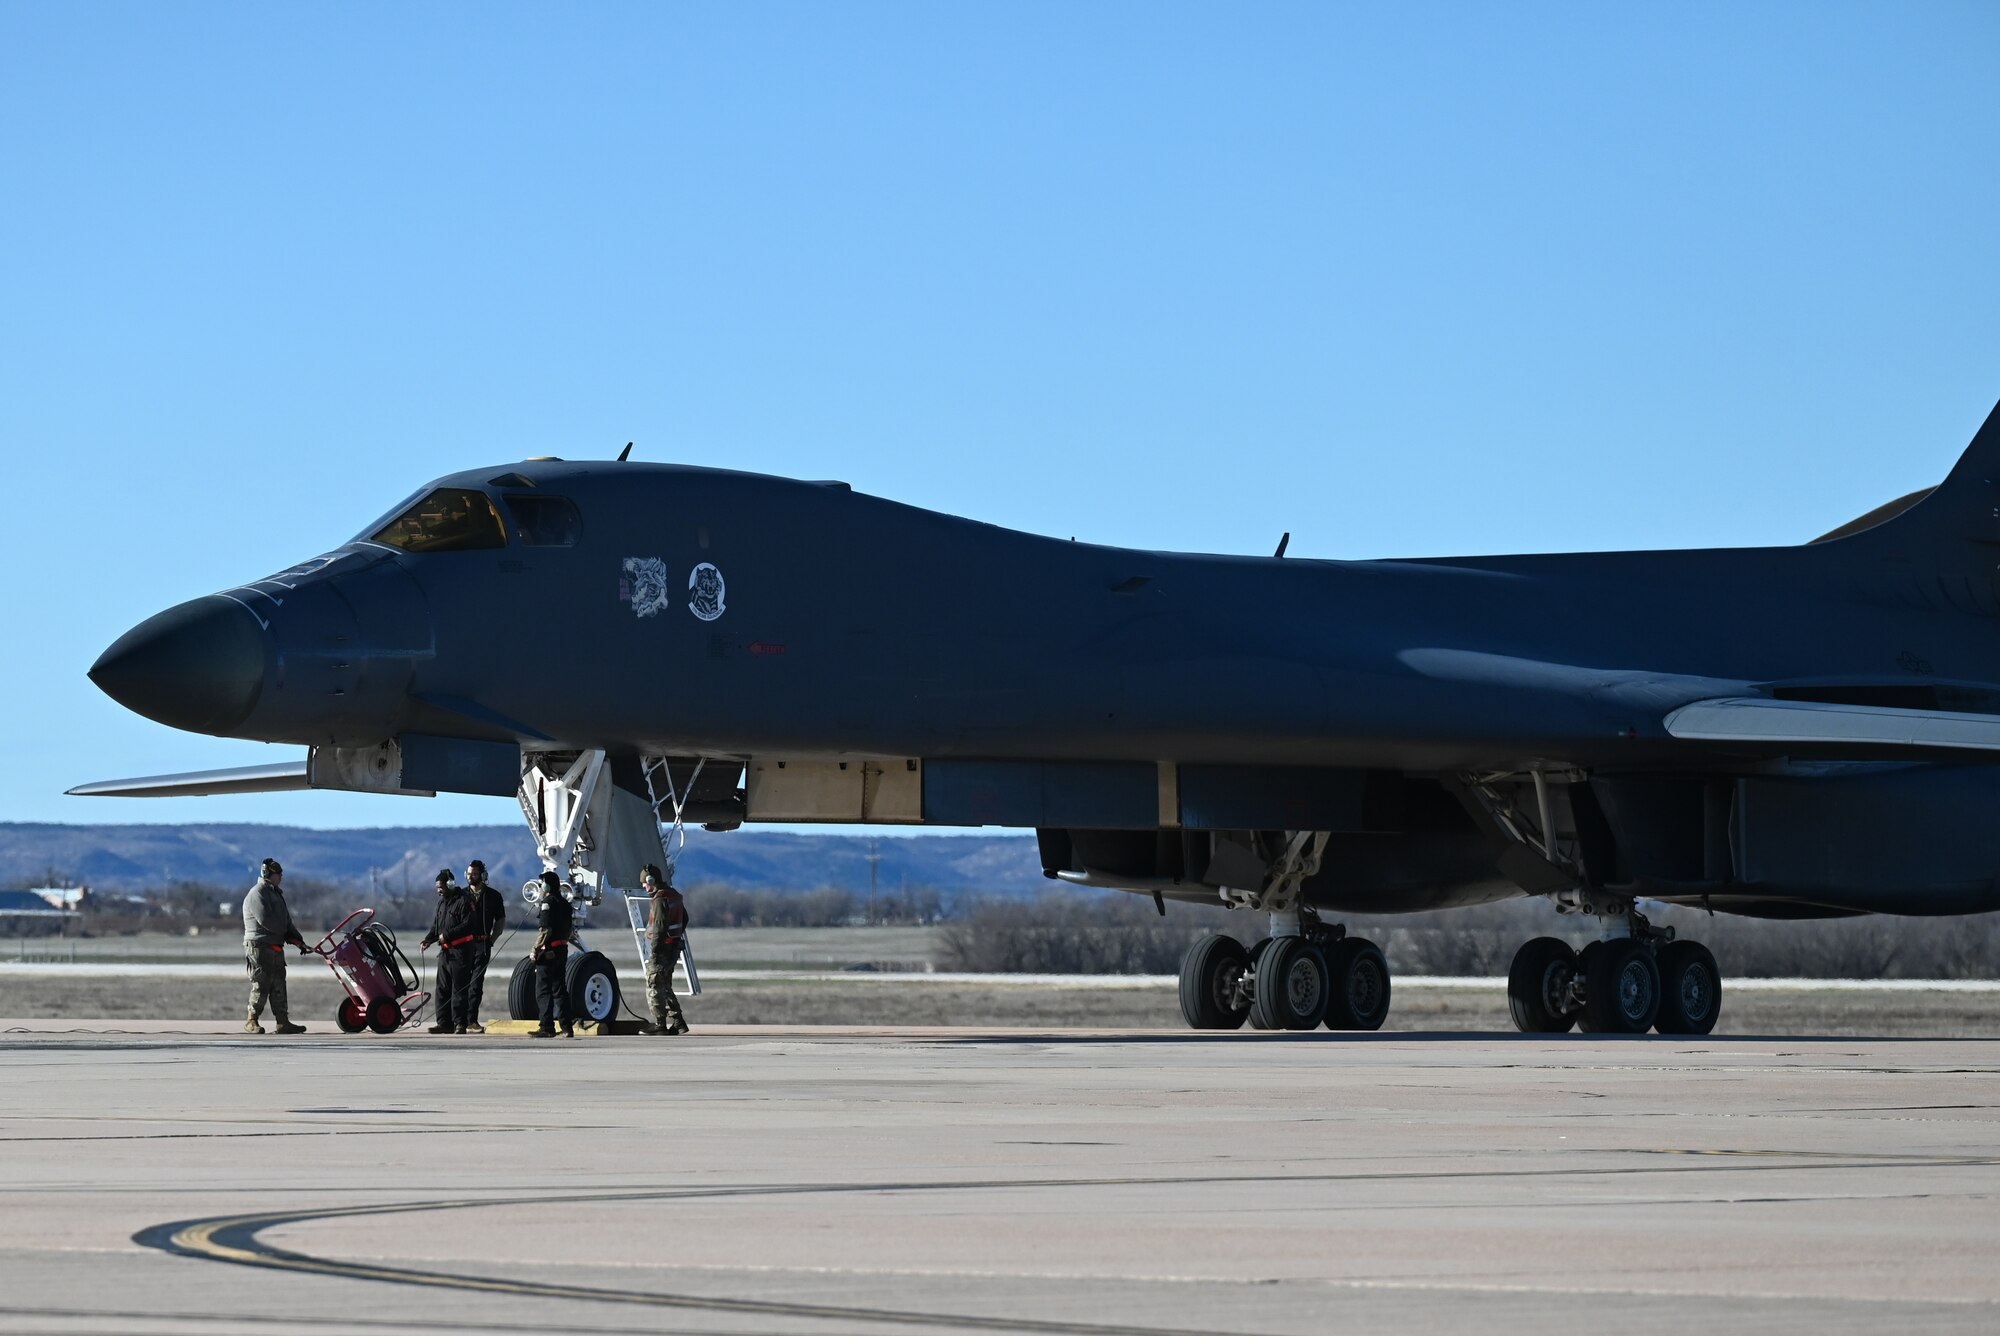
(41, 909)
(76, 898)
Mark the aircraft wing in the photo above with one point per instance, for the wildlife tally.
(1876, 730)
(1712, 710)
(278, 777)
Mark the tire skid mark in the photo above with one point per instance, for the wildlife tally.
(293, 1132)
(235, 1239)
(128, 1320)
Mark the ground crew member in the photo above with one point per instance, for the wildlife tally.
(551, 957)
(490, 913)
(454, 928)
(267, 926)
(666, 931)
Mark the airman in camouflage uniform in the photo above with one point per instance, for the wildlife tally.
(267, 926)
(666, 931)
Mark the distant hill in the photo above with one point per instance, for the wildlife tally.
(150, 857)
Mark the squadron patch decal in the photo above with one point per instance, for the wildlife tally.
(644, 586)
(705, 592)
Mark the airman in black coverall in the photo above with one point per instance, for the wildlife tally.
(490, 910)
(454, 929)
(551, 956)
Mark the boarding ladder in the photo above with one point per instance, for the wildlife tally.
(673, 838)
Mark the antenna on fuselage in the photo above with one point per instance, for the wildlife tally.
(626, 452)
(1283, 543)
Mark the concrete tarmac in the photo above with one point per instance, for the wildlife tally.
(178, 1178)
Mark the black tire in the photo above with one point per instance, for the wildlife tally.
(384, 1015)
(1621, 988)
(1257, 949)
(1293, 985)
(521, 990)
(1585, 954)
(1690, 989)
(1537, 985)
(1210, 973)
(350, 1016)
(593, 987)
(1358, 991)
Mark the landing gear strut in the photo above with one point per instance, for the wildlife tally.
(1305, 973)
(568, 805)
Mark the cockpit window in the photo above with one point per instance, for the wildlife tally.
(546, 521)
(450, 519)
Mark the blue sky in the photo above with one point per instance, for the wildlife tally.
(1402, 279)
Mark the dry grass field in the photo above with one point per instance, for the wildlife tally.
(866, 1000)
(872, 1002)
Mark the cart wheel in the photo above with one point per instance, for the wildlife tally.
(593, 987)
(350, 1017)
(521, 989)
(384, 1015)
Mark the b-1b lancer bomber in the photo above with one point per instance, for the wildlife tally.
(1786, 732)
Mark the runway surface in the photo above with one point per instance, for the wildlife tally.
(175, 1178)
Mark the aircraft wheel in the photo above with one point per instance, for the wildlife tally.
(350, 1016)
(1359, 996)
(384, 1015)
(1690, 989)
(593, 987)
(1211, 983)
(1538, 986)
(1293, 985)
(1621, 987)
(521, 990)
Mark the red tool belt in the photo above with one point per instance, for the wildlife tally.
(469, 937)
(279, 947)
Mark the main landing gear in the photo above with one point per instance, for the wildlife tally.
(1304, 975)
(1620, 985)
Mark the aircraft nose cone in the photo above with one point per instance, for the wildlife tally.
(198, 666)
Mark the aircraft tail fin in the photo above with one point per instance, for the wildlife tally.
(1956, 522)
